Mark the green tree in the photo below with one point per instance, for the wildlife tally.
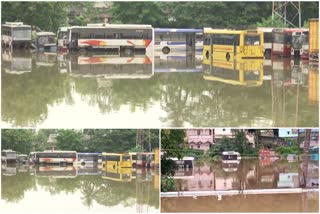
(19, 140)
(268, 22)
(69, 139)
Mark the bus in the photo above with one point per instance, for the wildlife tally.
(299, 45)
(282, 41)
(55, 157)
(8, 156)
(116, 160)
(142, 159)
(117, 174)
(122, 38)
(242, 72)
(173, 39)
(267, 36)
(22, 159)
(231, 157)
(15, 35)
(62, 35)
(232, 44)
(45, 41)
(110, 67)
(88, 159)
(185, 162)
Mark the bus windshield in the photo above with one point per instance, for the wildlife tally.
(252, 40)
(279, 38)
(126, 158)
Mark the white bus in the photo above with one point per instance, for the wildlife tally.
(122, 38)
(185, 162)
(16, 35)
(55, 157)
(231, 157)
(8, 156)
(89, 159)
(173, 39)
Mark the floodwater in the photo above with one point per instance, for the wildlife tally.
(176, 90)
(70, 189)
(248, 175)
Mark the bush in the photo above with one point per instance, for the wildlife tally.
(168, 184)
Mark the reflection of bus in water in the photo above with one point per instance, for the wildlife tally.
(184, 173)
(230, 167)
(177, 62)
(246, 72)
(118, 174)
(231, 157)
(122, 38)
(46, 59)
(173, 39)
(111, 67)
(232, 44)
(85, 170)
(8, 170)
(54, 157)
(116, 160)
(89, 159)
(17, 62)
(185, 162)
(56, 171)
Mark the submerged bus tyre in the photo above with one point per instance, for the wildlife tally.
(227, 56)
(166, 50)
(267, 54)
(207, 54)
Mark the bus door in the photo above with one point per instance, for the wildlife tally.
(191, 41)
(74, 39)
(252, 44)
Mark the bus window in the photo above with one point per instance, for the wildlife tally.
(252, 39)
(278, 38)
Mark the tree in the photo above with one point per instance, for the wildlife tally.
(19, 140)
(172, 143)
(268, 22)
(69, 139)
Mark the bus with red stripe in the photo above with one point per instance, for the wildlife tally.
(123, 38)
(282, 41)
(55, 157)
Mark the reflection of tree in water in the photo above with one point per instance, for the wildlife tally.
(26, 97)
(13, 187)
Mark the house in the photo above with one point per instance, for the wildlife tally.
(288, 133)
(220, 133)
(314, 137)
(201, 139)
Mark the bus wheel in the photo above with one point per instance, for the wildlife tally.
(267, 54)
(83, 163)
(207, 54)
(166, 50)
(82, 50)
(227, 56)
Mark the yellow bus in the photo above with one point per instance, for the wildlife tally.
(117, 174)
(243, 72)
(116, 160)
(228, 44)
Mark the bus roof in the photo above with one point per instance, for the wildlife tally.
(230, 153)
(265, 29)
(56, 151)
(119, 26)
(289, 30)
(45, 34)
(105, 153)
(15, 24)
(63, 29)
(224, 31)
(89, 153)
(178, 30)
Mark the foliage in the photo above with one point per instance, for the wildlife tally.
(268, 22)
(192, 153)
(19, 140)
(172, 141)
(69, 139)
(137, 148)
(284, 150)
(168, 184)
(168, 167)
(138, 13)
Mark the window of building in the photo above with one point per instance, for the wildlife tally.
(191, 146)
(210, 132)
(198, 146)
(223, 129)
(198, 132)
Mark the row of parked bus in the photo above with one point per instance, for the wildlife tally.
(144, 39)
(107, 160)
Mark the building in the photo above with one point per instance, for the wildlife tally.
(220, 133)
(288, 133)
(314, 138)
(201, 139)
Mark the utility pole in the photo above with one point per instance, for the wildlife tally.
(143, 136)
(287, 11)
